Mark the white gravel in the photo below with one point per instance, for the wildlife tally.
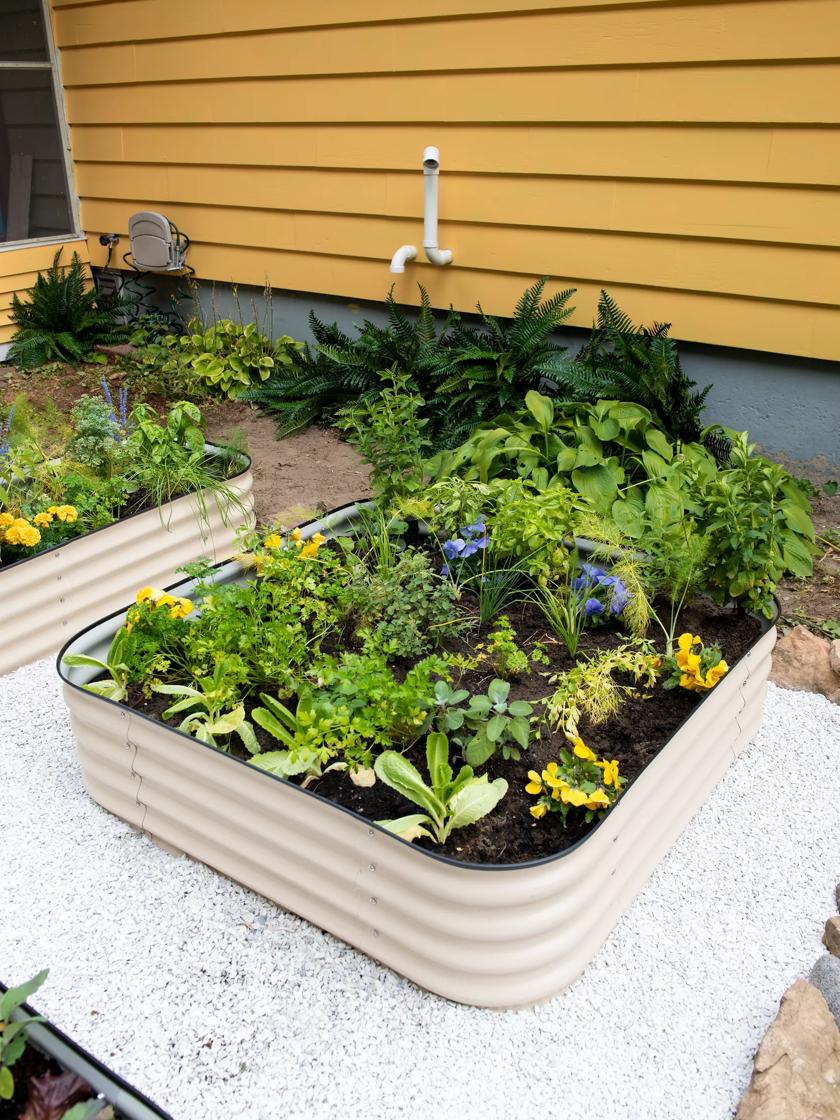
(218, 1005)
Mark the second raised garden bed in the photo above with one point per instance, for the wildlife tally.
(493, 935)
(46, 597)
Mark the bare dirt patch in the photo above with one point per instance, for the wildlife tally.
(294, 478)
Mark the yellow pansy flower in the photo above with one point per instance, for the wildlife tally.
(146, 593)
(538, 811)
(582, 751)
(573, 796)
(165, 600)
(598, 800)
(273, 540)
(295, 534)
(312, 545)
(180, 609)
(534, 784)
(610, 772)
(43, 519)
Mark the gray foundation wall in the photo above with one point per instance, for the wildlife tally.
(789, 405)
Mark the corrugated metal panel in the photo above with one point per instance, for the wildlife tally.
(505, 937)
(614, 125)
(45, 599)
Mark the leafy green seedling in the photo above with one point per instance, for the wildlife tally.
(497, 724)
(448, 803)
(13, 1032)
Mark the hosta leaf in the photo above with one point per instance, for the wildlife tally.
(597, 484)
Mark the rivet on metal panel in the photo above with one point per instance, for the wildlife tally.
(375, 933)
(372, 901)
(61, 598)
(371, 832)
(371, 867)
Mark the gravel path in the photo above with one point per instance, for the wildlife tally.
(219, 1005)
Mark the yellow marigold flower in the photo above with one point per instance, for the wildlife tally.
(539, 811)
(5, 519)
(582, 751)
(534, 784)
(43, 519)
(273, 540)
(64, 513)
(29, 536)
(573, 796)
(610, 772)
(20, 532)
(53, 509)
(598, 800)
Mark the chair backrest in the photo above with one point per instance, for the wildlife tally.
(155, 246)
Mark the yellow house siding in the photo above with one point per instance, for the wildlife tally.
(20, 266)
(684, 155)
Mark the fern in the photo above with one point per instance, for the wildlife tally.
(64, 318)
(465, 373)
(488, 368)
(621, 361)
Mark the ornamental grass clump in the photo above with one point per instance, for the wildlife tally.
(579, 781)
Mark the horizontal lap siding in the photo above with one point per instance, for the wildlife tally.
(19, 269)
(686, 155)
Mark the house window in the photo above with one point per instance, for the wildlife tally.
(34, 196)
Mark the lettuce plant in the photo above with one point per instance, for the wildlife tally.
(447, 803)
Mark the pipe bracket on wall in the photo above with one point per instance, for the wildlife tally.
(436, 255)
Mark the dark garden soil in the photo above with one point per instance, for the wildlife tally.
(645, 722)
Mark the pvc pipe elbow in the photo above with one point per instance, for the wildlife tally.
(438, 256)
(403, 254)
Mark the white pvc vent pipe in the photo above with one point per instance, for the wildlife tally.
(437, 256)
(431, 170)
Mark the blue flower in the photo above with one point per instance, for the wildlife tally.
(452, 549)
(620, 598)
(470, 549)
(592, 607)
(476, 528)
(444, 571)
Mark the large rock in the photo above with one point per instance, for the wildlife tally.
(804, 661)
(831, 937)
(797, 1066)
(825, 975)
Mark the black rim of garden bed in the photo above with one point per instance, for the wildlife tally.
(765, 625)
(241, 456)
(124, 1086)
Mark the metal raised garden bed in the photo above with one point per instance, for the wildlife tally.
(46, 597)
(491, 935)
(113, 1089)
